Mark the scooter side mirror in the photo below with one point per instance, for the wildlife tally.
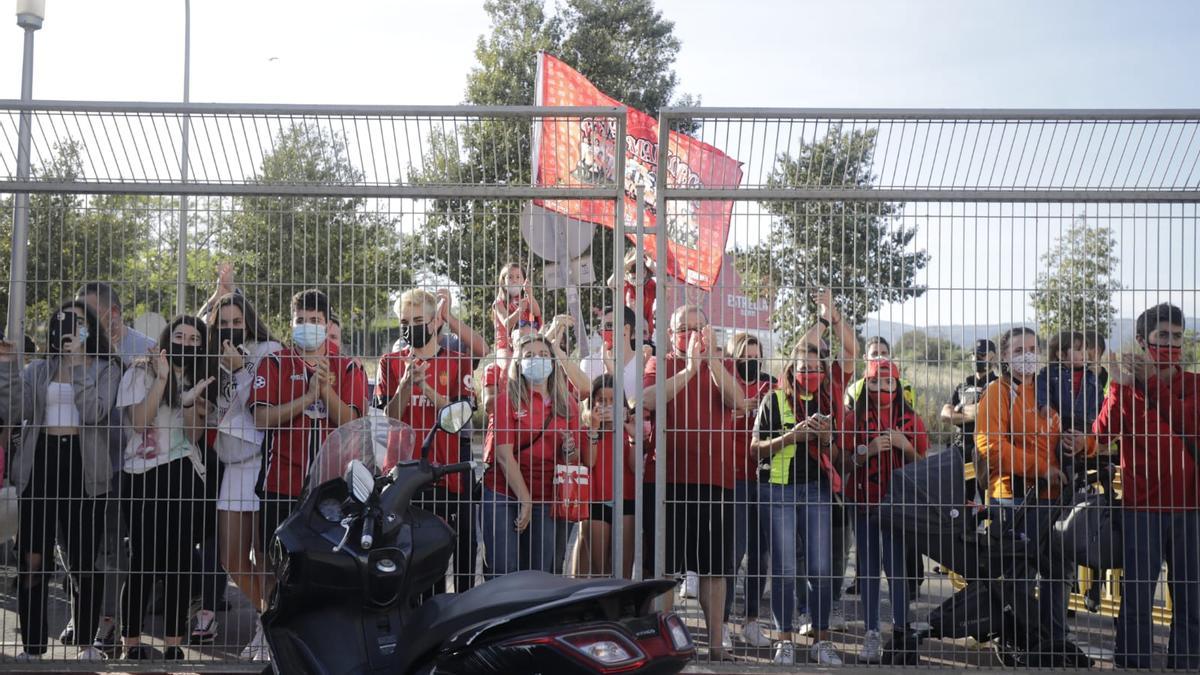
(361, 480)
(454, 417)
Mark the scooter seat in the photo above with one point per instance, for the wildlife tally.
(440, 617)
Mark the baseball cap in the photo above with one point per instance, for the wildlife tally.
(984, 346)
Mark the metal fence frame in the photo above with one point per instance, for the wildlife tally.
(668, 117)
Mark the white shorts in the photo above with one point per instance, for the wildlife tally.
(237, 487)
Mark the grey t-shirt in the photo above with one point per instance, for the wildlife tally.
(133, 345)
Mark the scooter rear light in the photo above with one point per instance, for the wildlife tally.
(607, 648)
(681, 639)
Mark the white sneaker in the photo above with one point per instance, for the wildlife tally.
(824, 654)
(752, 634)
(837, 617)
(690, 587)
(726, 638)
(26, 657)
(257, 649)
(91, 654)
(785, 653)
(872, 648)
(805, 625)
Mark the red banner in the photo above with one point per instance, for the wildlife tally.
(582, 153)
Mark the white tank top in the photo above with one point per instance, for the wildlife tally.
(60, 405)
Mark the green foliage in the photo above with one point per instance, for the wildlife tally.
(282, 245)
(625, 47)
(1076, 289)
(854, 248)
(917, 346)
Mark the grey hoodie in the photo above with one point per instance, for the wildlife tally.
(23, 404)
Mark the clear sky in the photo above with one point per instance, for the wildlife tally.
(848, 53)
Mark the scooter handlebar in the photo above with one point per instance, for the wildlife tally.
(460, 467)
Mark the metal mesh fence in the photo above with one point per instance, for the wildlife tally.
(932, 230)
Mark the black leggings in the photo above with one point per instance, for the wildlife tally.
(55, 506)
(458, 511)
(164, 511)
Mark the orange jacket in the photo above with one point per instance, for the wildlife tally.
(1013, 438)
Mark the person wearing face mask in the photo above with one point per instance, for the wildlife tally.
(243, 341)
(167, 401)
(514, 306)
(536, 426)
(62, 469)
(702, 393)
(594, 545)
(1018, 444)
(887, 434)
(1067, 386)
(414, 384)
(875, 348)
(795, 437)
(750, 533)
(300, 394)
(1152, 410)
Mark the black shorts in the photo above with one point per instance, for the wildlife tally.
(699, 529)
(601, 511)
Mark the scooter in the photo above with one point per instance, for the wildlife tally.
(355, 562)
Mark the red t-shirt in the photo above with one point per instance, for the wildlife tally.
(282, 378)
(537, 452)
(602, 468)
(869, 482)
(741, 430)
(1154, 426)
(450, 374)
(699, 451)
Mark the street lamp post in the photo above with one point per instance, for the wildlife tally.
(186, 123)
(30, 14)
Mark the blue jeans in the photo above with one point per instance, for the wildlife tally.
(750, 537)
(800, 512)
(540, 547)
(875, 546)
(1151, 537)
(1052, 593)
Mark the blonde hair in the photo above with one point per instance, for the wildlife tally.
(556, 385)
(502, 280)
(416, 296)
(736, 347)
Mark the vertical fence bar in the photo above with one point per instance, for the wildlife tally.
(661, 320)
(639, 359)
(181, 275)
(618, 291)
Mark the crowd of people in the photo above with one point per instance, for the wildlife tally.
(135, 454)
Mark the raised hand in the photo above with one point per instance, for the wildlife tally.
(191, 395)
(8, 352)
(231, 358)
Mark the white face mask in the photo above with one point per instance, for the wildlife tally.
(536, 369)
(1025, 365)
(515, 289)
(308, 336)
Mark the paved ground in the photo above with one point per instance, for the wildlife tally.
(1095, 634)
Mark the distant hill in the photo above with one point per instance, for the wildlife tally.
(965, 336)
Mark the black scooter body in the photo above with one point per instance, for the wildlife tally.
(337, 612)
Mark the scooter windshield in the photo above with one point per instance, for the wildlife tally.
(376, 440)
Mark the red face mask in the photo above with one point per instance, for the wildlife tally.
(1164, 355)
(680, 341)
(809, 383)
(607, 336)
(885, 398)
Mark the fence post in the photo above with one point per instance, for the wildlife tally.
(661, 320)
(639, 358)
(18, 270)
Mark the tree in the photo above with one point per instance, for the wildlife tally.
(854, 248)
(282, 245)
(625, 47)
(917, 346)
(1075, 290)
(75, 238)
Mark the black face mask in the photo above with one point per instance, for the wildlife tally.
(748, 369)
(184, 356)
(981, 367)
(416, 335)
(234, 336)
